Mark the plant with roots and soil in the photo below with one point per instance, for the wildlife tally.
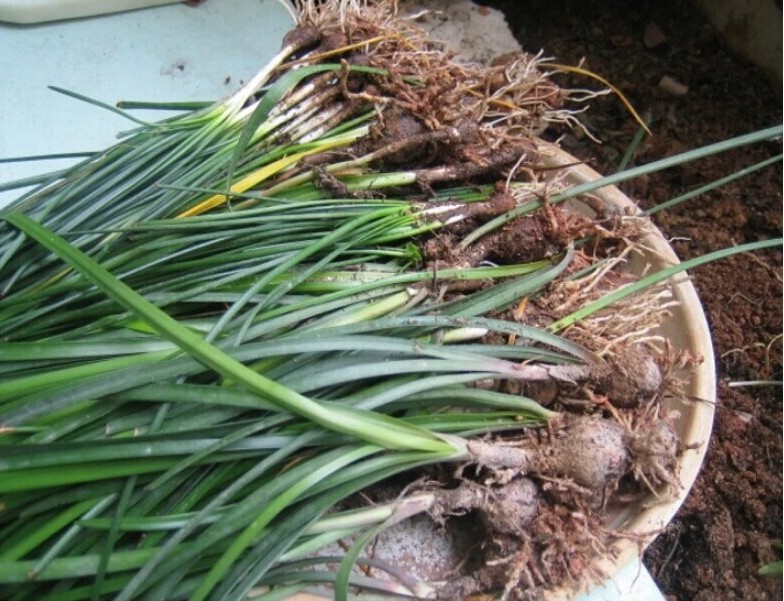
(245, 342)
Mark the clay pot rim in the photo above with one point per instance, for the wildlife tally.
(687, 329)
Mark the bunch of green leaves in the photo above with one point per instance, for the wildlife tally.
(199, 365)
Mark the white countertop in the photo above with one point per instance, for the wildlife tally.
(166, 53)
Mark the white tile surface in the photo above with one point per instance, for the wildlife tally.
(164, 53)
(632, 583)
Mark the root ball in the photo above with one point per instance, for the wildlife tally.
(633, 378)
(505, 508)
(592, 451)
(511, 506)
(656, 448)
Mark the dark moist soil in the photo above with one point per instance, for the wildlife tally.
(724, 531)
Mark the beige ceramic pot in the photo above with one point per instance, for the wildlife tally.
(687, 329)
(423, 550)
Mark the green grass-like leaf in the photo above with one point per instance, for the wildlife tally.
(654, 278)
(364, 425)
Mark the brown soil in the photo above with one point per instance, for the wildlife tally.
(724, 531)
